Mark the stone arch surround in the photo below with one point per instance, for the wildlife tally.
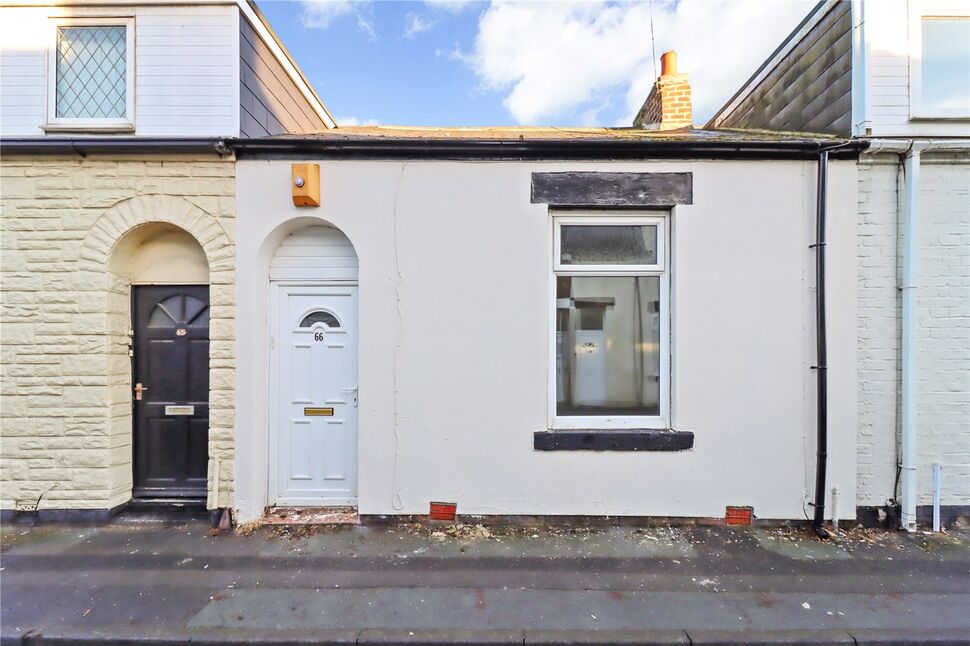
(96, 259)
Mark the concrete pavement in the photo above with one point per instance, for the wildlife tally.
(174, 583)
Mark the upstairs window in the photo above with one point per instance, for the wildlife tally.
(91, 70)
(611, 356)
(940, 66)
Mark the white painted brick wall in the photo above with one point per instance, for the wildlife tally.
(944, 323)
(879, 325)
(943, 398)
(66, 402)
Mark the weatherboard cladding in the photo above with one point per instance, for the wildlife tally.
(270, 102)
(809, 90)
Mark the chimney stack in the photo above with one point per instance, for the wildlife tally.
(668, 104)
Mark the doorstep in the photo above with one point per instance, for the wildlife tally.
(174, 510)
(310, 516)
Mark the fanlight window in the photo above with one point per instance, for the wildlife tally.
(326, 318)
(180, 310)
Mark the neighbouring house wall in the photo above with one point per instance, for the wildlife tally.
(809, 90)
(880, 263)
(943, 360)
(186, 68)
(943, 338)
(66, 399)
(456, 317)
(270, 103)
(887, 32)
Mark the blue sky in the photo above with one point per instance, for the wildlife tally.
(521, 63)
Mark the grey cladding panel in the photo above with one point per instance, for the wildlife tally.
(612, 189)
(270, 102)
(809, 89)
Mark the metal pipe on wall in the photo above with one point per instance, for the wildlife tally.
(908, 443)
(821, 368)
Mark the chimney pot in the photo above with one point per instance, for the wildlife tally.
(668, 63)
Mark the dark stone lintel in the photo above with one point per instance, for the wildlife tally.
(592, 189)
(639, 439)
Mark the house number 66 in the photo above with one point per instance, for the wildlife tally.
(318, 336)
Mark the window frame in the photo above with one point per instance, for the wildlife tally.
(121, 124)
(607, 220)
(918, 13)
(661, 269)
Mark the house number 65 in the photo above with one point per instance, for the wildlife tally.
(318, 336)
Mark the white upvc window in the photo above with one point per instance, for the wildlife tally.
(939, 60)
(91, 72)
(610, 343)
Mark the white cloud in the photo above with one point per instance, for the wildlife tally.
(415, 24)
(354, 121)
(555, 58)
(366, 25)
(452, 6)
(320, 14)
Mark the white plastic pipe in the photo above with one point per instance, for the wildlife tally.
(216, 482)
(835, 509)
(860, 80)
(908, 445)
(937, 473)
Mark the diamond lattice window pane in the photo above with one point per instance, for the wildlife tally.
(91, 70)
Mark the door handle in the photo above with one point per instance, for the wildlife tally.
(139, 389)
(354, 391)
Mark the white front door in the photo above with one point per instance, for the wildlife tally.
(315, 368)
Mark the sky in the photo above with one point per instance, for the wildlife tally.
(463, 63)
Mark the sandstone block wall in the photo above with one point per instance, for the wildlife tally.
(66, 398)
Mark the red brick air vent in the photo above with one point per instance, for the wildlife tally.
(443, 511)
(738, 515)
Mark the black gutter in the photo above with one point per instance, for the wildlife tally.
(386, 148)
(821, 358)
(379, 148)
(84, 146)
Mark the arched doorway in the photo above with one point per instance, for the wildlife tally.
(313, 369)
(168, 274)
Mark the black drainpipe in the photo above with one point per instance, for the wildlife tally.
(821, 367)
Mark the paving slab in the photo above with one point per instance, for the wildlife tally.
(488, 609)
(800, 549)
(779, 637)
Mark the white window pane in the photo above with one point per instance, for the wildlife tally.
(608, 244)
(608, 345)
(91, 70)
(946, 63)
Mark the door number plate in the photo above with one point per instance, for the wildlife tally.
(318, 412)
(180, 410)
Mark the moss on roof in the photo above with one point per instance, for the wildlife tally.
(546, 133)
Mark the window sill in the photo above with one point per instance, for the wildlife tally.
(940, 115)
(637, 439)
(94, 127)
